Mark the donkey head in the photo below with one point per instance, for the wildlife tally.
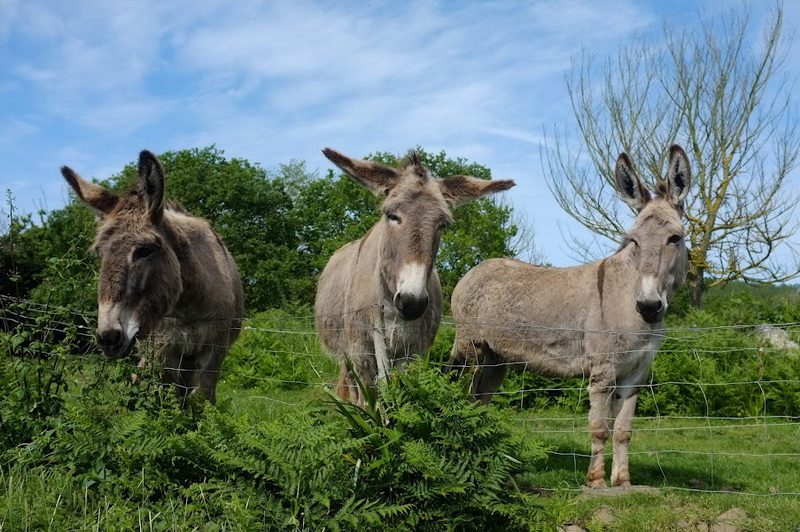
(657, 235)
(140, 276)
(415, 212)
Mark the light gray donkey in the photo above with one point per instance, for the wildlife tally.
(603, 320)
(166, 272)
(379, 300)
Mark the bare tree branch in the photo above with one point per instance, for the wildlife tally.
(722, 94)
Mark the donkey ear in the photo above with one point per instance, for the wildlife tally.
(630, 187)
(101, 200)
(377, 177)
(679, 176)
(151, 184)
(460, 189)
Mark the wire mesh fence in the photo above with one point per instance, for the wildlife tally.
(720, 403)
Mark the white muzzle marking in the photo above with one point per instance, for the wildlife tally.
(111, 316)
(413, 280)
(649, 289)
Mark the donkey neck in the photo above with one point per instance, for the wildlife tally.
(372, 258)
(186, 236)
(617, 286)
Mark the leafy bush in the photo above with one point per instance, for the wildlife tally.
(35, 344)
(122, 452)
(710, 368)
(440, 461)
(277, 350)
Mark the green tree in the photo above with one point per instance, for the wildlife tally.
(718, 91)
(49, 262)
(18, 257)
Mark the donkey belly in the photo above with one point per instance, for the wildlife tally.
(330, 308)
(546, 351)
(192, 343)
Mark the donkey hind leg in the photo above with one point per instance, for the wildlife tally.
(489, 375)
(623, 406)
(600, 429)
(463, 355)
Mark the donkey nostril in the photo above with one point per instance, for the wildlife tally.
(649, 309)
(410, 307)
(109, 338)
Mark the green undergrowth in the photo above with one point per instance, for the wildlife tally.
(113, 454)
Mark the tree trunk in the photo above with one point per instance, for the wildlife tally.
(695, 282)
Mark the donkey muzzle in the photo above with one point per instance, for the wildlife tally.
(410, 306)
(113, 343)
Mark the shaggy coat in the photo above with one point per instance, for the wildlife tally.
(379, 300)
(166, 273)
(603, 320)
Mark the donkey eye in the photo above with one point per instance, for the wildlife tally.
(674, 239)
(142, 252)
(393, 217)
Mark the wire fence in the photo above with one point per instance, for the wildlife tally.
(720, 411)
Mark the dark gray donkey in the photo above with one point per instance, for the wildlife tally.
(603, 320)
(379, 300)
(166, 272)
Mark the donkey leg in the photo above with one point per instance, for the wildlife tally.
(623, 409)
(345, 383)
(361, 372)
(206, 373)
(175, 370)
(462, 355)
(624, 405)
(599, 409)
(489, 376)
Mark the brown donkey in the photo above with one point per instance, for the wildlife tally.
(603, 320)
(166, 272)
(379, 300)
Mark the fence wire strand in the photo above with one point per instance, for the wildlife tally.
(293, 338)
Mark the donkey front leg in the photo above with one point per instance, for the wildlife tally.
(623, 407)
(361, 372)
(176, 370)
(207, 373)
(599, 409)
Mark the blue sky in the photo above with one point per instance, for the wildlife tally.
(91, 83)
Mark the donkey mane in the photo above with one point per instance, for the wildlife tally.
(413, 159)
(661, 189)
(134, 198)
(176, 206)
